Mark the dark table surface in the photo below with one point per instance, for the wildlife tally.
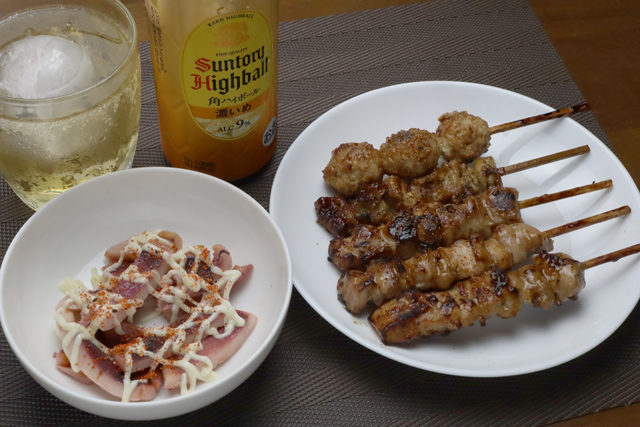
(592, 53)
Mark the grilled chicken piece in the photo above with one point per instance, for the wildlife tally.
(408, 153)
(438, 269)
(353, 166)
(551, 279)
(454, 181)
(463, 136)
(451, 182)
(427, 225)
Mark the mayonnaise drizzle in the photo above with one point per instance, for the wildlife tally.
(184, 291)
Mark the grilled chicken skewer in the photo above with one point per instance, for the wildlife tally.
(414, 152)
(451, 182)
(551, 279)
(435, 224)
(438, 269)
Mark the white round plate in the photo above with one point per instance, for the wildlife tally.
(536, 339)
(69, 235)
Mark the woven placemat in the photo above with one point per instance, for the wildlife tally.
(315, 375)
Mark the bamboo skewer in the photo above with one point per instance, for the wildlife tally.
(396, 156)
(586, 222)
(422, 314)
(439, 268)
(388, 240)
(547, 198)
(528, 164)
(611, 257)
(561, 112)
(479, 180)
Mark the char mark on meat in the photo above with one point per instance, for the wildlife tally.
(427, 225)
(550, 280)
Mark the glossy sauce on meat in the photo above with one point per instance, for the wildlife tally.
(426, 225)
(550, 280)
(439, 268)
(451, 182)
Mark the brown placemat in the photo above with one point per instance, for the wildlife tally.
(315, 375)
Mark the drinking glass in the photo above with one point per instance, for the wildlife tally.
(69, 93)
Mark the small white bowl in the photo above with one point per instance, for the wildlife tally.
(70, 234)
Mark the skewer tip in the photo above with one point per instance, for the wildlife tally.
(586, 222)
(547, 198)
(611, 257)
(528, 164)
(560, 112)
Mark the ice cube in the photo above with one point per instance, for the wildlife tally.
(44, 66)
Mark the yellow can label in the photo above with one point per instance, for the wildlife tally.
(226, 73)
